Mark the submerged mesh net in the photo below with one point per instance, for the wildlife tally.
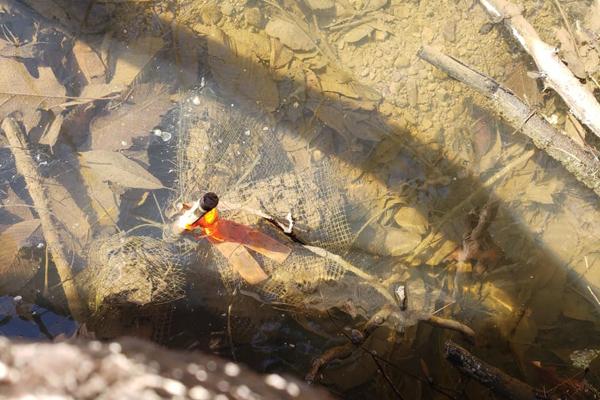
(240, 157)
(132, 270)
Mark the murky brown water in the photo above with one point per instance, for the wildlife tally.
(439, 196)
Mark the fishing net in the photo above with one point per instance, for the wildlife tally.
(136, 270)
(238, 155)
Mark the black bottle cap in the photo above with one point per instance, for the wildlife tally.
(209, 201)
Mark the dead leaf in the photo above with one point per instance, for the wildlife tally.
(575, 130)
(357, 34)
(375, 4)
(569, 53)
(10, 50)
(143, 111)
(127, 61)
(115, 167)
(131, 58)
(105, 202)
(289, 34)
(592, 21)
(237, 70)
(319, 5)
(66, 211)
(493, 155)
(16, 206)
(331, 81)
(21, 92)
(525, 87)
(91, 65)
(575, 306)
(280, 55)
(13, 239)
(412, 219)
(51, 135)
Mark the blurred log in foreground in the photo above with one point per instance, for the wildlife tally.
(133, 369)
(504, 385)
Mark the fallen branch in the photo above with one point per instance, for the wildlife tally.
(581, 163)
(555, 73)
(496, 380)
(27, 168)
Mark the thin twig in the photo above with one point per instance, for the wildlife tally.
(386, 377)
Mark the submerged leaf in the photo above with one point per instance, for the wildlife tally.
(412, 219)
(105, 202)
(65, 210)
(115, 167)
(117, 129)
(19, 91)
(15, 205)
(357, 34)
(575, 130)
(132, 57)
(12, 239)
(524, 86)
(51, 135)
(91, 65)
(319, 5)
(289, 34)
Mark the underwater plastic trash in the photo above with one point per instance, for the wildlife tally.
(230, 238)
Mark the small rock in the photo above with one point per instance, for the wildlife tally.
(426, 124)
(253, 17)
(427, 35)
(396, 76)
(381, 35)
(227, 9)
(449, 31)
(320, 5)
(386, 109)
(365, 72)
(412, 92)
(402, 60)
(394, 88)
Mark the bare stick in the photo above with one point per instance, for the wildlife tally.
(581, 163)
(370, 279)
(491, 377)
(26, 167)
(556, 74)
(452, 325)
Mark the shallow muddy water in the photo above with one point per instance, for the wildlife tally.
(421, 205)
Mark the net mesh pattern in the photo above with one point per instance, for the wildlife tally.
(239, 156)
(138, 270)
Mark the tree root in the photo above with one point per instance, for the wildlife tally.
(452, 325)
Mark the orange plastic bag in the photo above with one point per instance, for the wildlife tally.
(232, 239)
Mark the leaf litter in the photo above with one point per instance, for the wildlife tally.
(143, 110)
(13, 239)
(115, 167)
